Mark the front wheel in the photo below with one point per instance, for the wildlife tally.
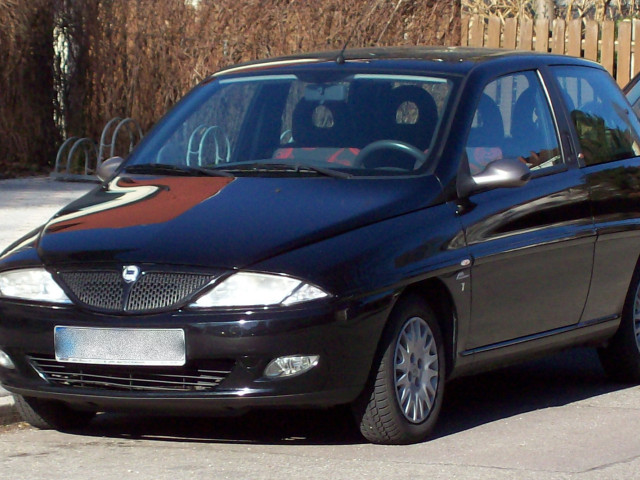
(621, 357)
(49, 414)
(402, 401)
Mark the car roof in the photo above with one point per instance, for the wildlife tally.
(458, 60)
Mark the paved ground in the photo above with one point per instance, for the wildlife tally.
(553, 419)
(24, 205)
(27, 203)
(559, 418)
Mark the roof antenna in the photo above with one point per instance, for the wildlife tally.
(340, 57)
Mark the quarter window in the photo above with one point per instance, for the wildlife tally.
(607, 130)
(513, 120)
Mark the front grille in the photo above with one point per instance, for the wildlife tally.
(103, 290)
(147, 379)
(106, 290)
(158, 290)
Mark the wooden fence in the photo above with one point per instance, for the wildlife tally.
(615, 46)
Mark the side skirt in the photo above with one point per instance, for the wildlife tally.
(532, 346)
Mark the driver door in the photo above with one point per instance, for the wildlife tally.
(532, 246)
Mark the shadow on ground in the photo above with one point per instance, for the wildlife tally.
(470, 402)
(558, 380)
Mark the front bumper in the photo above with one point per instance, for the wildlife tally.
(344, 335)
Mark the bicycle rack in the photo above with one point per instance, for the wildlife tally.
(132, 128)
(67, 169)
(199, 135)
(84, 167)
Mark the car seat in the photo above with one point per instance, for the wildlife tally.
(316, 124)
(486, 137)
(403, 124)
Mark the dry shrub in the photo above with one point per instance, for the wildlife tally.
(138, 57)
(142, 56)
(569, 9)
(28, 134)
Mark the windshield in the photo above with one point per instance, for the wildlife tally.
(361, 124)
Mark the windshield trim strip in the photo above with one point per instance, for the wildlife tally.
(260, 78)
(399, 78)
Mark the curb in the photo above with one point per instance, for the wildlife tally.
(8, 412)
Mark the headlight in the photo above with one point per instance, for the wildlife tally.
(31, 284)
(258, 289)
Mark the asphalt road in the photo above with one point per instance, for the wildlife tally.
(557, 418)
(554, 419)
(27, 203)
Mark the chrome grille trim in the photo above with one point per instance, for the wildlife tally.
(130, 378)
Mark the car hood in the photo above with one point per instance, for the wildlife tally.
(220, 222)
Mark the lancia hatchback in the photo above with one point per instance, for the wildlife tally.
(351, 227)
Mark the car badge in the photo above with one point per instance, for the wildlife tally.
(130, 273)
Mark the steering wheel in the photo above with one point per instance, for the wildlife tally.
(396, 145)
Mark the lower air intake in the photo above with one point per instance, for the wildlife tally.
(148, 379)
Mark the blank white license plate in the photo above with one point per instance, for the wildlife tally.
(120, 346)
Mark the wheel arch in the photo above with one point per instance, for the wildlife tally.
(437, 295)
(635, 271)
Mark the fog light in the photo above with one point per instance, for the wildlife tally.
(290, 366)
(5, 361)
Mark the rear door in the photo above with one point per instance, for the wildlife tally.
(607, 133)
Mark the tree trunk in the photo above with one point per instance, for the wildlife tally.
(28, 134)
(544, 9)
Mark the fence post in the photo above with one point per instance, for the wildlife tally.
(476, 31)
(464, 31)
(607, 46)
(574, 45)
(493, 32)
(526, 35)
(623, 67)
(542, 35)
(636, 46)
(591, 40)
(510, 30)
(558, 36)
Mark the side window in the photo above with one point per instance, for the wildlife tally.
(607, 130)
(633, 95)
(636, 107)
(513, 120)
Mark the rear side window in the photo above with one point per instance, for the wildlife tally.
(633, 95)
(513, 120)
(607, 129)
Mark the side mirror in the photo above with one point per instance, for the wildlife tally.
(107, 168)
(502, 173)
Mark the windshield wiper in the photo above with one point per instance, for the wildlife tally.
(167, 169)
(287, 168)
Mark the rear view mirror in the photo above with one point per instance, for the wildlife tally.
(107, 168)
(501, 173)
(325, 92)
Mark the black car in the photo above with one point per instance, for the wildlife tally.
(351, 227)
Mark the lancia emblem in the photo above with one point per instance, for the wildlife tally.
(130, 273)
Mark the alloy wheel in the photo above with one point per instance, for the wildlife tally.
(416, 370)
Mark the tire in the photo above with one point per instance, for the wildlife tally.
(402, 400)
(49, 414)
(621, 357)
